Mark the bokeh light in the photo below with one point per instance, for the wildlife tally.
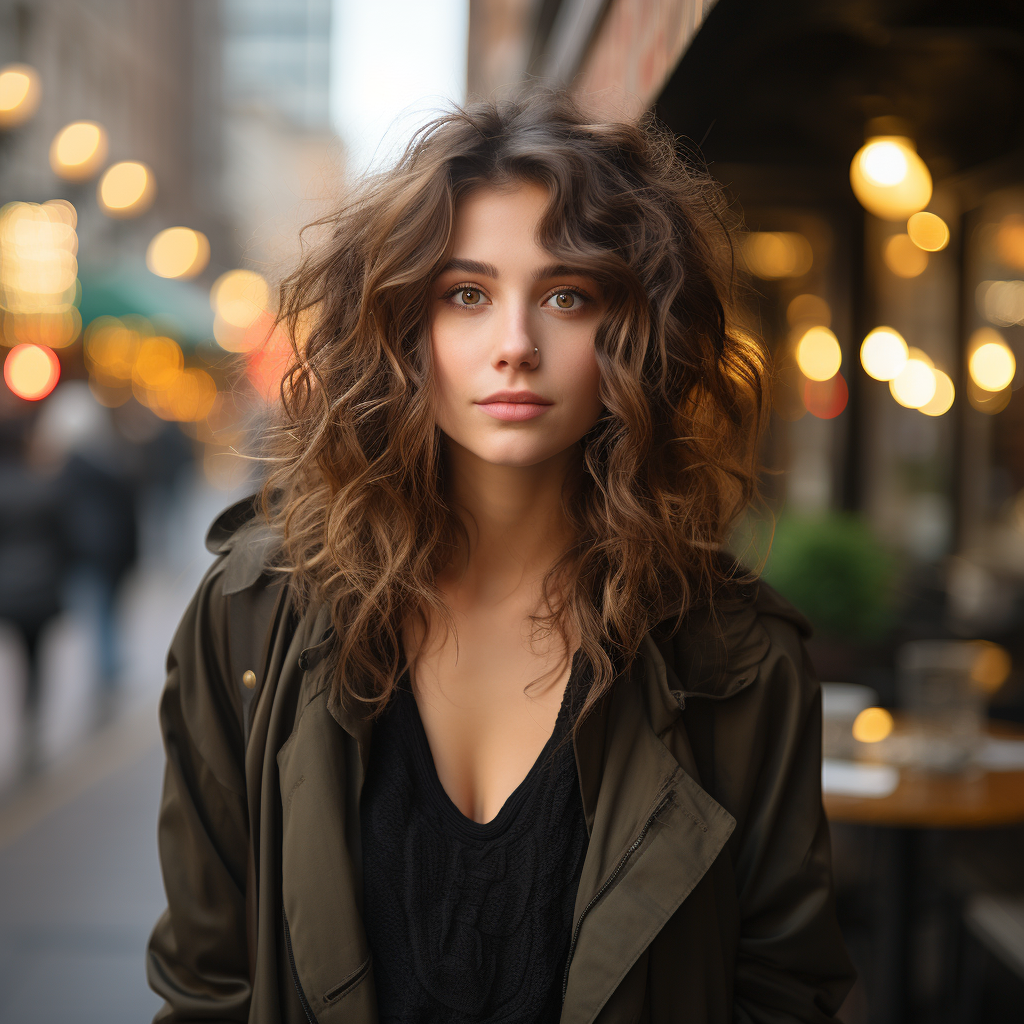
(914, 386)
(991, 363)
(988, 402)
(928, 231)
(776, 254)
(991, 667)
(1010, 241)
(126, 189)
(267, 363)
(818, 354)
(110, 350)
(178, 252)
(904, 258)
(31, 371)
(883, 353)
(889, 179)
(1001, 302)
(809, 310)
(78, 150)
(188, 398)
(240, 299)
(872, 725)
(39, 273)
(158, 364)
(826, 399)
(942, 401)
(19, 94)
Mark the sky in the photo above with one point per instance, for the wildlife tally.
(393, 64)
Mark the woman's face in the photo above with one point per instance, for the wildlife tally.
(512, 335)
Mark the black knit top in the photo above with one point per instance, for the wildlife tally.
(469, 922)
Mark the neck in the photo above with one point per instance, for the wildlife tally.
(513, 516)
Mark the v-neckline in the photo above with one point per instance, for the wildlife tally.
(460, 823)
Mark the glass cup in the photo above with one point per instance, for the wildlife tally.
(944, 702)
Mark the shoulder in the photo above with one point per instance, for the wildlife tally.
(247, 545)
(744, 632)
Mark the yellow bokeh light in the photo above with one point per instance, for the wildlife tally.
(942, 401)
(889, 179)
(190, 397)
(39, 271)
(31, 371)
(239, 296)
(883, 162)
(915, 385)
(53, 328)
(78, 150)
(883, 353)
(988, 402)
(110, 351)
(19, 94)
(158, 364)
(992, 364)
(126, 189)
(991, 667)
(1010, 241)
(928, 231)
(178, 252)
(818, 354)
(904, 258)
(776, 254)
(241, 300)
(809, 310)
(872, 725)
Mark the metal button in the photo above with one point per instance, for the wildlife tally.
(248, 679)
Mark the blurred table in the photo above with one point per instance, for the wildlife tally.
(977, 798)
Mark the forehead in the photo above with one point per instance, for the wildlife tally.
(495, 218)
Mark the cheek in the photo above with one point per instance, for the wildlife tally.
(583, 382)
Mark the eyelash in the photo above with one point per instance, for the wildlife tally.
(571, 289)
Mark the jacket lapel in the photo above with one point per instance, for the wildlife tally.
(320, 773)
(654, 834)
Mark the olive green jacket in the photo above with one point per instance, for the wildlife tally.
(706, 892)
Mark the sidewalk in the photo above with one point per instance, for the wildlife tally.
(80, 885)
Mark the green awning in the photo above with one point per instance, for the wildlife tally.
(179, 308)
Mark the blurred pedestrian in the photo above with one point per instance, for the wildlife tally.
(94, 470)
(34, 558)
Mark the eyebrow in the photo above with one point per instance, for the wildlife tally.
(490, 270)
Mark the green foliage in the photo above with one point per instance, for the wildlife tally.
(836, 572)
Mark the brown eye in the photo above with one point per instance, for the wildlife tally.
(565, 300)
(470, 296)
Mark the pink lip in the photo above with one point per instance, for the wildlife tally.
(514, 405)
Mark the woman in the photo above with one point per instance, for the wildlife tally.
(474, 721)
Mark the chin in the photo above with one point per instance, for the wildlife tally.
(518, 456)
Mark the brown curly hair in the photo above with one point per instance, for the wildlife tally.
(357, 481)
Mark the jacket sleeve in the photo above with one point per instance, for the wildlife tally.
(197, 958)
(792, 963)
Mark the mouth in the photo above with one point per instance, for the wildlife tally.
(514, 406)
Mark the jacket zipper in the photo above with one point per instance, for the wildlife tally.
(607, 885)
(310, 1016)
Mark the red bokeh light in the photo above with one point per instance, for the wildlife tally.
(266, 364)
(31, 371)
(826, 399)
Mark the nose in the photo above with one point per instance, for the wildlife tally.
(515, 347)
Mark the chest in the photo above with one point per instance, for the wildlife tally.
(488, 697)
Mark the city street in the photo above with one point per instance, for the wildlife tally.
(80, 885)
